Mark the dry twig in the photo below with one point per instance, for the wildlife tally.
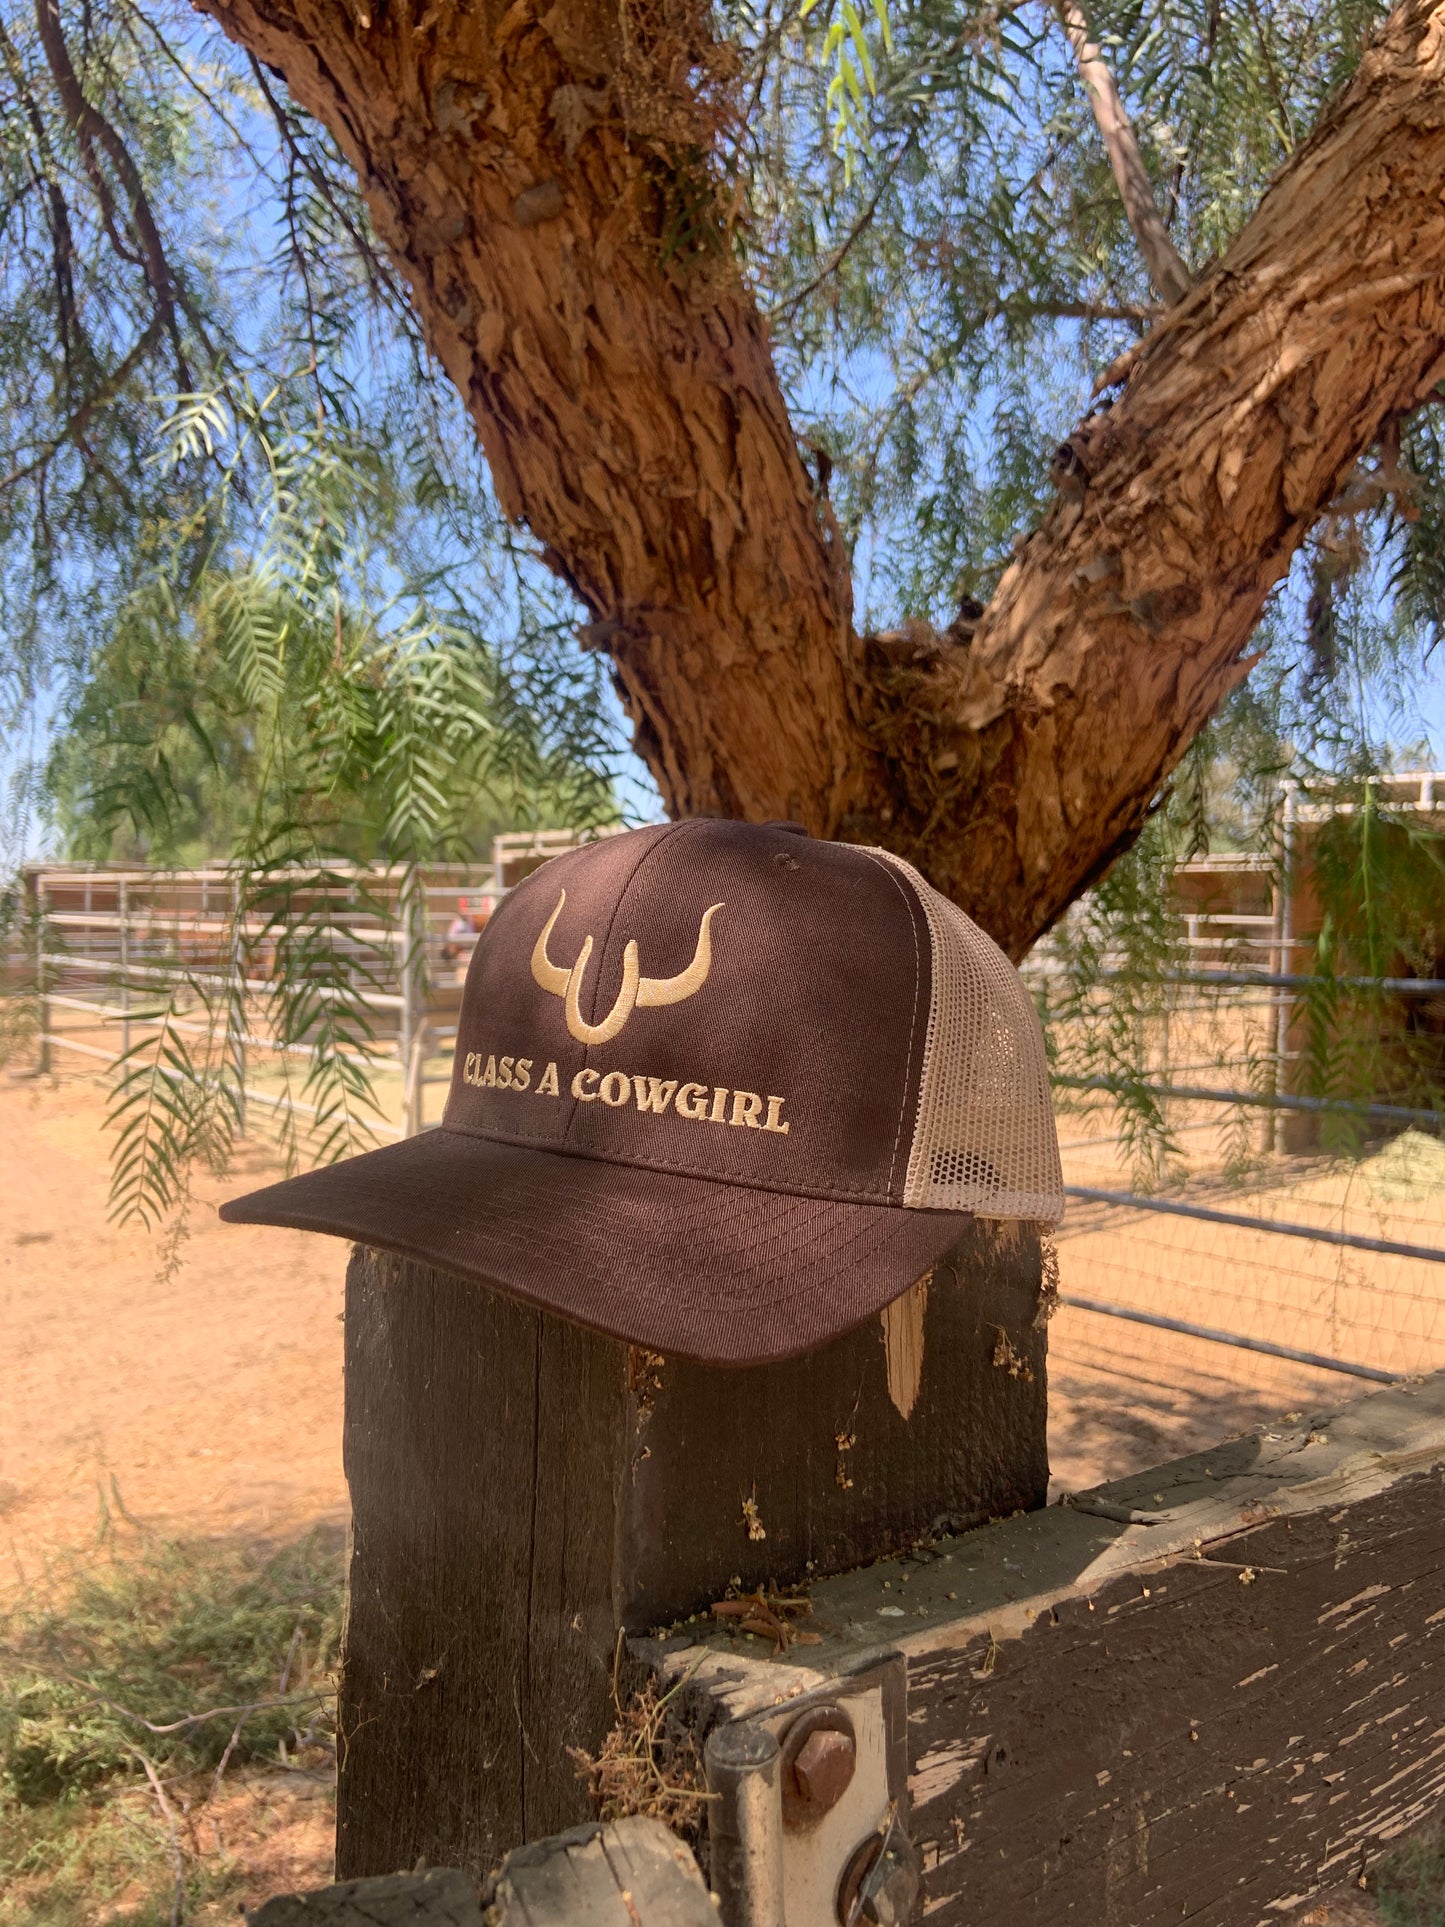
(174, 1726)
(178, 1852)
(647, 1764)
(768, 1615)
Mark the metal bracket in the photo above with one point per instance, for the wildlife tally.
(807, 1826)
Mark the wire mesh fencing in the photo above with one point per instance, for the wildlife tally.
(1234, 1244)
(1330, 1264)
(280, 975)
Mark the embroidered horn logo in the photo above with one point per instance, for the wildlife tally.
(637, 992)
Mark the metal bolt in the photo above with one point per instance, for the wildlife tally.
(890, 1891)
(823, 1769)
(881, 1883)
(819, 1756)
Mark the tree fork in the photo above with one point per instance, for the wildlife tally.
(523, 168)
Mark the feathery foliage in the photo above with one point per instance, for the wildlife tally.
(364, 719)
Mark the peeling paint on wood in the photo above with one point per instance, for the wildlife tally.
(1140, 1768)
(633, 1873)
(1215, 1710)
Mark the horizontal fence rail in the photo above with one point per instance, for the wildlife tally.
(1291, 980)
(1238, 1340)
(1206, 1214)
(114, 948)
(214, 979)
(1260, 1100)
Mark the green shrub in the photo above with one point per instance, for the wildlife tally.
(185, 1652)
(1409, 1883)
(155, 1669)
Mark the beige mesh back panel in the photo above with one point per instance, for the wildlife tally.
(984, 1139)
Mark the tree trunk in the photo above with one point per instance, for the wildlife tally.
(528, 169)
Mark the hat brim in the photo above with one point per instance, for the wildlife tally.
(685, 1266)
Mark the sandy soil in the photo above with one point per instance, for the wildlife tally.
(207, 1401)
(277, 1830)
(203, 1402)
(1122, 1397)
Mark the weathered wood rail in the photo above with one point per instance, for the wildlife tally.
(632, 1874)
(1209, 1693)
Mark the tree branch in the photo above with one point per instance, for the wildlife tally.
(172, 1825)
(93, 130)
(1126, 617)
(378, 271)
(106, 391)
(1167, 271)
(1138, 313)
(840, 253)
(62, 238)
(632, 417)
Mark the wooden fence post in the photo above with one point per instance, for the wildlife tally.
(524, 1492)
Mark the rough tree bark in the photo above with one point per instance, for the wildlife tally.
(528, 168)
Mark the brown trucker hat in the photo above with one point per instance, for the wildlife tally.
(720, 1090)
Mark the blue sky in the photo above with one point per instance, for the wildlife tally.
(1432, 710)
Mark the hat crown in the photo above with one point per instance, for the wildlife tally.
(746, 1004)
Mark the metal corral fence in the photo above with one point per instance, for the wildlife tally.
(106, 946)
(1331, 1260)
(1325, 1263)
(1250, 1233)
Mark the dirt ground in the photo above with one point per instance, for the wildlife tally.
(206, 1399)
(204, 1403)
